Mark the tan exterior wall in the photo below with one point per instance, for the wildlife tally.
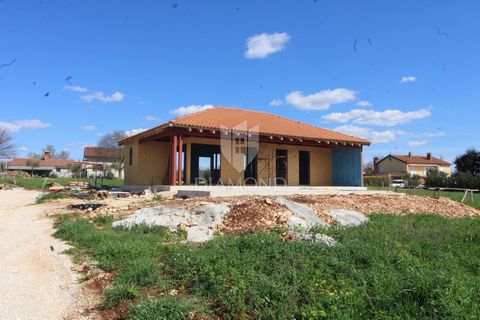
(392, 165)
(420, 169)
(150, 163)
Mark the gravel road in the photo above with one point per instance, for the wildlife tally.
(36, 280)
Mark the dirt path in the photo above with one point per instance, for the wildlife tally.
(36, 282)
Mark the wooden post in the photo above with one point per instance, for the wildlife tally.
(180, 159)
(173, 156)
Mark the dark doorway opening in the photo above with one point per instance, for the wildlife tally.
(304, 167)
(204, 164)
(250, 166)
(281, 166)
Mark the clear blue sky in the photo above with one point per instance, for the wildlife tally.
(133, 63)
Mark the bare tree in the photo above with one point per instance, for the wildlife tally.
(32, 164)
(64, 154)
(7, 149)
(111, 141)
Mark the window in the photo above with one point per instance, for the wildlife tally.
(414, 169)
(58, 170)
(239, 145)
(130, 156)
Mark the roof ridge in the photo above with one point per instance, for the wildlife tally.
(270, 114)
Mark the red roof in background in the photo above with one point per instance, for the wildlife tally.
(419, 160)
(56, 163)
(99, 152)
(219, 118)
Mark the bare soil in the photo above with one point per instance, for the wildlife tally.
(37, 280)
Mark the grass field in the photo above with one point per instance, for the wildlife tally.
(454, 195)
(408, 267)
(38, 182)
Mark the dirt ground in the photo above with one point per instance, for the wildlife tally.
(36, 279)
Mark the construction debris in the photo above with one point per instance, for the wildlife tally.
(348, 218)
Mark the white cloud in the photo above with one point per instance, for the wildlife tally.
(417, 143)
(22, 149)
(262, 45)
(368, 133)
(408, 79)
(363, 103)
(390, 117)
(320, 100)
(434, 134)
(134, 131)
(276, 102)
(18, 125)
(75, 88)
(100, 96)
(183, 111)
(152, 118)
(89, 127)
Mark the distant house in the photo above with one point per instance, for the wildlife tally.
(414, 165)
(46, 166)
(97, 161)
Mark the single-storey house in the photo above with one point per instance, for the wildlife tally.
(98, 160)
(230, 146)
(44, 166)
(410, 164)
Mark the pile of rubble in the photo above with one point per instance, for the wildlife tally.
(254, 215)
(395, 204)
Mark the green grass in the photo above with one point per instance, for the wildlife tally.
(409, 267)
(38, 182)
(454, 195)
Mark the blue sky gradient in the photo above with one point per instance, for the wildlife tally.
(161, 55)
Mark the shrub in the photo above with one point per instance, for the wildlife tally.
(377, 181)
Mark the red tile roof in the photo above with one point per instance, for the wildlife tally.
(99, 152)
(220, 118)
(56, 163)
(419, 160)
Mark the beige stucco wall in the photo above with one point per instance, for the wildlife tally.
(150, 163)
(420, 169)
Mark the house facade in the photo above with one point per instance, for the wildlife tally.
(97, 161)
(229, 146)
(44, 167)
(411, 164)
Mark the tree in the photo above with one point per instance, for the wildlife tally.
(111, 141)
(32, 164)
(64, 154)
(76, 169)
(7, 149)
(469, 162)
(369, 168)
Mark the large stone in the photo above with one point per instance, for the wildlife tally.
(347, 218)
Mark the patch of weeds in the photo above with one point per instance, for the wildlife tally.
(103, 220)
(115, 295)
(166, 308)
(158, 197)
(139, 272)
(50, 196)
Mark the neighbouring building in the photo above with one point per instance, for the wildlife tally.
(97, 161)
(410, 164)
(230, 146)
(43, 167)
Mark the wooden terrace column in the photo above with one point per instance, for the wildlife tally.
(173, 154)
(180, 159)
